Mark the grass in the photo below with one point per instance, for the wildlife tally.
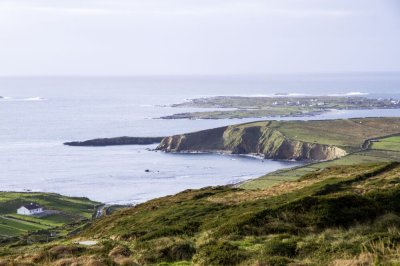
(385, 150)
(348, 132)
(13, 227)
(388, 144)
(67, 210)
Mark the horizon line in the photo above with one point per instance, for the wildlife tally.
(199, 75)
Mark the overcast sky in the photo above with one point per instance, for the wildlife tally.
(206, 37)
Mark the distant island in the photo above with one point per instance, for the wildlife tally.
(277, 106)
(116, 141)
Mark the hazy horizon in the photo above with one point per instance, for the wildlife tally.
(198, 38)
(350, 73)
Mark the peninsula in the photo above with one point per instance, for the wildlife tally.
(286, 140)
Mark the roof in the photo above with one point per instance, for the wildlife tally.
(32, 206)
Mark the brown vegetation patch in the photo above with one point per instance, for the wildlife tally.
(120, 251)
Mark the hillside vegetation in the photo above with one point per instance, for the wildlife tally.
(337, 216)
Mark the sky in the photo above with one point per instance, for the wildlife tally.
(198, 37)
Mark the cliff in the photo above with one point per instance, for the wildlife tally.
(250, 139)
(116, 141)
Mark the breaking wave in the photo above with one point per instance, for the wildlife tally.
(29, 99)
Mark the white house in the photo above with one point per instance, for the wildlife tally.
(30, 209)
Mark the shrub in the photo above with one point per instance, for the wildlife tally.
(275, 261)
(120, 251)
(162, 250)
(219, 253)
(64, 251)
(182, 251)
(386, 221)
(333, 210)
(277, 247)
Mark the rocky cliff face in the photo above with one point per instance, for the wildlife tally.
(257, 140)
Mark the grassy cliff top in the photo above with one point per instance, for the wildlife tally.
(339, 132)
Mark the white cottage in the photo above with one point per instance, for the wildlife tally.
(30, 209)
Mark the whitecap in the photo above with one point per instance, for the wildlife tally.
(352, 93)
(30, 99)
(34, 99)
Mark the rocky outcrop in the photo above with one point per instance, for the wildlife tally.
(257, 140)
(117, 141)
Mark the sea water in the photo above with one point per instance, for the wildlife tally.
(38, 114)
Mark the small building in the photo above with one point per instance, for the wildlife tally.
(30, 209)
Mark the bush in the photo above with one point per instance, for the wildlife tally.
(277, 247)
(65, 251)
(340, 210)
(275, 261)
(182, 251)
(166, 250)
(120, 251)
(388, 220)
(219, 253)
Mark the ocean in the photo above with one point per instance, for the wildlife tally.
(38, 114)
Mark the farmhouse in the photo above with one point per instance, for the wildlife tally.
(30, 209)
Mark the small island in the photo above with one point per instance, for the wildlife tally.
(116, 141)
(277, 106)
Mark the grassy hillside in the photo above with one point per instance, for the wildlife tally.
(64, 210)
(336, 216)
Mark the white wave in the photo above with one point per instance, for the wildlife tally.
(30, 99)
(352, 93)
(291, 94)
(34, 99)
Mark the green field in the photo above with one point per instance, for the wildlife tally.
(348, 133)
(390, 143)
(14, 227)
(66, 210)
(383, 150)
